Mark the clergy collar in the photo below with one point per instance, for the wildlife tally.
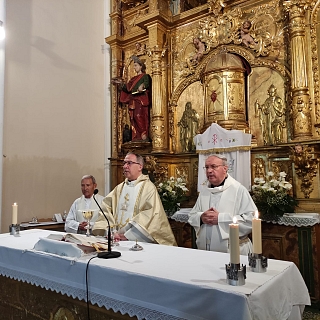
(132, 182)
(221, 184)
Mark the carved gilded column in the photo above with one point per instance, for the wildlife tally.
(116, 70)
(172, 128)
(159, 101)
(116, 23)
(301, 115)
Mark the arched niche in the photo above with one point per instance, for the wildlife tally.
(260, 81)
(194, 94)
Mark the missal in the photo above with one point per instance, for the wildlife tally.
(86, 244)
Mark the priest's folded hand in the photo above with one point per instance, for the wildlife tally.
(210, 216)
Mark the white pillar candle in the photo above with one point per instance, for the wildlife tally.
(256, 234)
(14, 213)
(234, 242)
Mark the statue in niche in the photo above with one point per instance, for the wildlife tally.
(272, 117)
(136, 93)
(200, 49)
(246, 38)
(189, 124)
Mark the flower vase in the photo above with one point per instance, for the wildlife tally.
(170, 211)
(266, 215)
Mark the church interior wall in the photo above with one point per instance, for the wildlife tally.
(54, 120)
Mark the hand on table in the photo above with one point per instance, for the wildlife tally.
(119, 237)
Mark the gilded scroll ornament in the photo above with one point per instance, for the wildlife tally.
(189, 126)
(259, 30)
(156, 172)
(272, 117)
(301, 118)
(259, 170)
(306, 167)
(215, 6)
(157, 135)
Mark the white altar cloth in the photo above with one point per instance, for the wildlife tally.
(160, 282)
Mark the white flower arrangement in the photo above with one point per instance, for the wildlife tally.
(272, 196)
(172, 192)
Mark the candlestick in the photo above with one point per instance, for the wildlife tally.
(256, 234)
(234, 242)
(14, 213)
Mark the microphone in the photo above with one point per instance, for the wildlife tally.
(109, 254)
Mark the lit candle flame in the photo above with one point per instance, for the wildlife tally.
(256, 215)
(234, 220)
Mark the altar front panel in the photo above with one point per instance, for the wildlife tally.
(23, 301)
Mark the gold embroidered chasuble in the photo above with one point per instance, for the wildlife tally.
(148, 211)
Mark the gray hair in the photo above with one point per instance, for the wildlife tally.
(87, 176)
(138, 156)
(224, 159)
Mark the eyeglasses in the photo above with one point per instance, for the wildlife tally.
(214, 167)
(129, 163)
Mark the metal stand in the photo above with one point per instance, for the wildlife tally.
(14, 230)
(257, 262)
(236, 274)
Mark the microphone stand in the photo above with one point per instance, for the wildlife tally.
(109, 254)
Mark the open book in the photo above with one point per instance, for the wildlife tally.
(86, 244)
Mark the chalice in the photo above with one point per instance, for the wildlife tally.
(88, 216)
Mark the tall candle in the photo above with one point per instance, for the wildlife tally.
(256, 234)
(14, 213)
(234, 242)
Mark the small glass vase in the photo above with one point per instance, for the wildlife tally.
(170, 211)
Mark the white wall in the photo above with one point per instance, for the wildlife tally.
(54, 109)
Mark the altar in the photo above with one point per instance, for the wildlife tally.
(159, 282)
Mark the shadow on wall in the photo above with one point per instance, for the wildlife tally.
(42, 186)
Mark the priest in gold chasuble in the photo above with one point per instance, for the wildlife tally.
(134, 208)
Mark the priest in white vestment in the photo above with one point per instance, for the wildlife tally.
(223, 199)
(75, 222)
(134, 208)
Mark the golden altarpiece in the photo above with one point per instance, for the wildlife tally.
(246, 65)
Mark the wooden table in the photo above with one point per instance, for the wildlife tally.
(46, 224)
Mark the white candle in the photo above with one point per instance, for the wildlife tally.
(234, 242)
(256, 234)
(14, 213)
